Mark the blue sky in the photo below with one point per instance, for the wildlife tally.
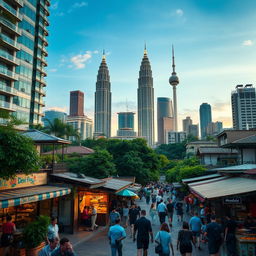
(215, 43)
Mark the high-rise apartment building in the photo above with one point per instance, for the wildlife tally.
(50, 115)
(23, 42)
(186, 123)
(165, 120)
(146, 101)
(102, 113)
(126, 124)
(243, 101)
(193, 130)
(205, 118)
(175, 137)
(76, 103)
(214, 128)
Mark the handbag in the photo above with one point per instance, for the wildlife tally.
(159, 247)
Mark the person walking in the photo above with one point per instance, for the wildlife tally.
(125, 214)
(185, 240)
(179, 210)
(65, 248)
(49, 248)
(144, 228)
(158, 199)
(230, 236)
(153, 213)
(113, 216)
(116, 234)
(94, 218)
(213, 233)
(195, 224)
(162, 210)
(53, 230)
(163, 237)
(170, 209)
(133, 215)
(8, 230)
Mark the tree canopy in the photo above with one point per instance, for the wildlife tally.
(172, 151)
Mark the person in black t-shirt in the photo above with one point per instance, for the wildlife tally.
(230, 237)
(170, 210)
(133, 215)
(143, 226)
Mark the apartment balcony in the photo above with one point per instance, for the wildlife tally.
(44, 16)
(44, 38)
(12, 28)
(7, 90)
(19, 2)
(42, 58)
(42, 70)
(6, 105)
(45, 6)
(8, 58)
(40, 90)
(9, 43)
(7, 8)
(8, 74)
(40, 101)
(41, 80)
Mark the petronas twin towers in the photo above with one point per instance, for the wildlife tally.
(145, 101)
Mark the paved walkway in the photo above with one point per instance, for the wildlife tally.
(98, 245)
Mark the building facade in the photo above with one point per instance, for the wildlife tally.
(102, 113)
(193, 130)
(165, 121)
(50, 115)
(243, 101)
(146, 101)
(126, 124)
(214, 128)
(186, 123)
(23, 43)
(76, 103)
(205, 118)
(175, 137)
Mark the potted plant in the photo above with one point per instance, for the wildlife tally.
(34, 235)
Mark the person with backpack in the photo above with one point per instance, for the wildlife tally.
(213, 233)
(185, 240)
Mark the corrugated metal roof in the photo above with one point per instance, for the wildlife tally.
(71, 150)
(116, 184)
(241, 167)
(225, 187)
(216, 150)
(247, 140)
(205, 177)
(203, 142)
(41, 137)
(82, 179)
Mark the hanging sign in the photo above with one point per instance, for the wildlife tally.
(232, 200)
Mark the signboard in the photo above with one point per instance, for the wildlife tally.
(232, 200)
(24, 181)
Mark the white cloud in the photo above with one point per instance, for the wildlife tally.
(77, 5)
(80, 59)
(179, 12)
(247, 42)
(64, 109)
(96, 52)
(53, 70)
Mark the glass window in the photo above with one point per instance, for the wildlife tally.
(27, 26)
(29, 12)
(25, 56)
(23, 86)
(26, 41)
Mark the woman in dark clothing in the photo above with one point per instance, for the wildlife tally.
(185, 240)
(179, 210)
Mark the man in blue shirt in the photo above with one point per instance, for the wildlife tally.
(113, 216)
(49, 248)
(162, 210)
(196, 225)
(116, 234)
(65, 248)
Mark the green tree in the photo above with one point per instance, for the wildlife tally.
(172, 151)
(99, 165)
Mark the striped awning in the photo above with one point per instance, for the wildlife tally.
(17, 197)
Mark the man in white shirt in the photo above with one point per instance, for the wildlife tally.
(53, 230)
(162, 210)
(94, 217)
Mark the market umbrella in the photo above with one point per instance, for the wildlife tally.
(126, 192)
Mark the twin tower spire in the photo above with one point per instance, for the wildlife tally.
(145, 98)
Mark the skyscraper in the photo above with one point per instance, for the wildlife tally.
(126, 124)
(165, 121)
(205, 118)
(174, 81)
(193, 130)
(102, 113)
(244, 107)
(50, 115)
(146, 101)
(22, 58)
(76, 103)
(186, 123)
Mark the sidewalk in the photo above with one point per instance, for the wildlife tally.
(82, 236)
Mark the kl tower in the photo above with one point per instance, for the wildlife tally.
(174, 81)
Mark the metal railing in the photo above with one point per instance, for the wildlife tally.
(10, 9)
(5, 104)
(10, 25)
(7, 72)
(6, 55)
(9, 40)
(7, 89)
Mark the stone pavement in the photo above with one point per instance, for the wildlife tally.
(98, 245)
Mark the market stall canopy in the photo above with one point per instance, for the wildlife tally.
(242, 168)
(200, 178)
(43, 138)
(78, 179)
(115, 184)
(69, 150)
(126, 192)
(17, 197)
(224, 186)
(135, 187)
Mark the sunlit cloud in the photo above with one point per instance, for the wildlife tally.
(53, 70)
(247, 42)
(64, 109)
(179, 12)
(80, 59)
(77, 5)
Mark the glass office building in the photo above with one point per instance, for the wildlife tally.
(23, 42)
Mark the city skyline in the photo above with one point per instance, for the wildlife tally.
(221, 61)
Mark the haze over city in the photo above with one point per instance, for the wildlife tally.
(214, 49)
